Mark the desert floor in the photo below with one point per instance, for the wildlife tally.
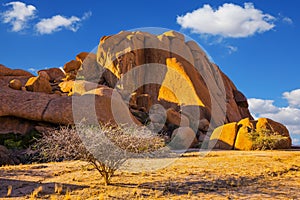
(194, 175)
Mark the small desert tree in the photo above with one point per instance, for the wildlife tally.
(105, 147)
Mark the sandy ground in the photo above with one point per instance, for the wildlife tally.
(195, 175)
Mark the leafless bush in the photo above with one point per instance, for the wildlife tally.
(105, 147)
(60, 144)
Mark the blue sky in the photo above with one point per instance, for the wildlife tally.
(258, 49)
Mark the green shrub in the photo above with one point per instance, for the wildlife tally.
(17, 141)
(265, 139)
(12, 144)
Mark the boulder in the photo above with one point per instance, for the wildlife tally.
(198, 82)
(54, 74)
(77, 87)
(249, 134)
(247, 122)
(243, 139)
(174, 117)
(5, 71)
(174, 73)
(143, 117)
(124, 51)
(157, 114)
(4, 80)
(94, 107)
(90, 70)
(72, 75)
(108, 106)
(66, 86)
(101, 90)
(59, 111)
(82, 56)
(275, 135)
(15, 84)
(15, 125)
(38, 84)
(157, 118)
(203, 125)
(274, 127)
(6, 158)
(198, 116)
(24, 104)
(277, 129)
(202, 137)
(73, 65)
(224, 137)
(144, 101)
(183, 138)
(44, 75)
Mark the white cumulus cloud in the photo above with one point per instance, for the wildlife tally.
(59, 22)
(56, 23)
(293, 97)
(229, 20)
(256, 105)
(18, 15)
(289, 115)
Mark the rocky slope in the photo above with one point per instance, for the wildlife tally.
(160, 81)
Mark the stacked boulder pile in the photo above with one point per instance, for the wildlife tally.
(251, 135)
(160, 81)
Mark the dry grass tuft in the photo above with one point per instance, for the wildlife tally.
(36, 192)
(58, 188)
(9, 190)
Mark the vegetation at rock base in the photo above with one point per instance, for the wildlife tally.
(265, 140)
(105, 147)
(18, 141)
